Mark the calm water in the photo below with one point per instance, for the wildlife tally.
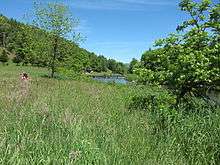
(113, 79)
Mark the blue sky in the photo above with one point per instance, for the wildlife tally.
(119, 29)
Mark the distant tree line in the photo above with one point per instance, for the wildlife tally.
(29, 44)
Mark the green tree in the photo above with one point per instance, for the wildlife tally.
(132, 65)
(21, 48)
(4, 57)
(120, 68)
(4, 30)
(58, 21)
(101, 64)
(112, 65)
(189, 59)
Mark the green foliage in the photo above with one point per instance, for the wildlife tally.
(57, 20)
(187, 135)
(152, 100)
(68, 74)
(76, 122)
(132, 65)
(191, 137)
(17, 60)
(99, 63)
(132, 77)
(4, 57)
(188, 60)
(67, 122)
(116, 67)
(102, 64)
(34, 45)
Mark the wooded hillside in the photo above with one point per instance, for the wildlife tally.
(30, 45)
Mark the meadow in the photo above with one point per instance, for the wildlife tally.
(65, 121)
(62, 121)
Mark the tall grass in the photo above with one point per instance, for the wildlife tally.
(65, 122)
(180, 135)
(76, 122)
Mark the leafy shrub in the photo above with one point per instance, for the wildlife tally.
(132, 77)
(188, 134)
(158, 106)
(65, 73)
(150, 101)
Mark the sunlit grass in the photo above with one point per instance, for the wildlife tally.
(76, 122)
(62, 121)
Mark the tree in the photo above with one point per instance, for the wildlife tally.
(132, 65)
(4, 28)
(120, 68)
(58, 21)
(4, 57)
(112, 65)
(188, 60)
(21, 47)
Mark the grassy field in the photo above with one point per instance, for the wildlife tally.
(51, 121)
(64, 122)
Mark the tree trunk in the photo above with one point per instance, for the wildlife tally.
(55, 46)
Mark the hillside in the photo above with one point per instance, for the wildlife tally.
(31, 45)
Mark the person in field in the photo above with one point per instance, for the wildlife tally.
(24, 76)
(24, 84)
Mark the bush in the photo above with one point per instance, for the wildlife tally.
(187, 135)
(70, 74)
(132, 77)
(150, 100)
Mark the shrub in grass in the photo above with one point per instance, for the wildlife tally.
(192, 136)
(158, 106)
(189, 134)
(150, 100)
(70, 74)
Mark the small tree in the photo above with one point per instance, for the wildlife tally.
(4, 57)
(58, 21)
